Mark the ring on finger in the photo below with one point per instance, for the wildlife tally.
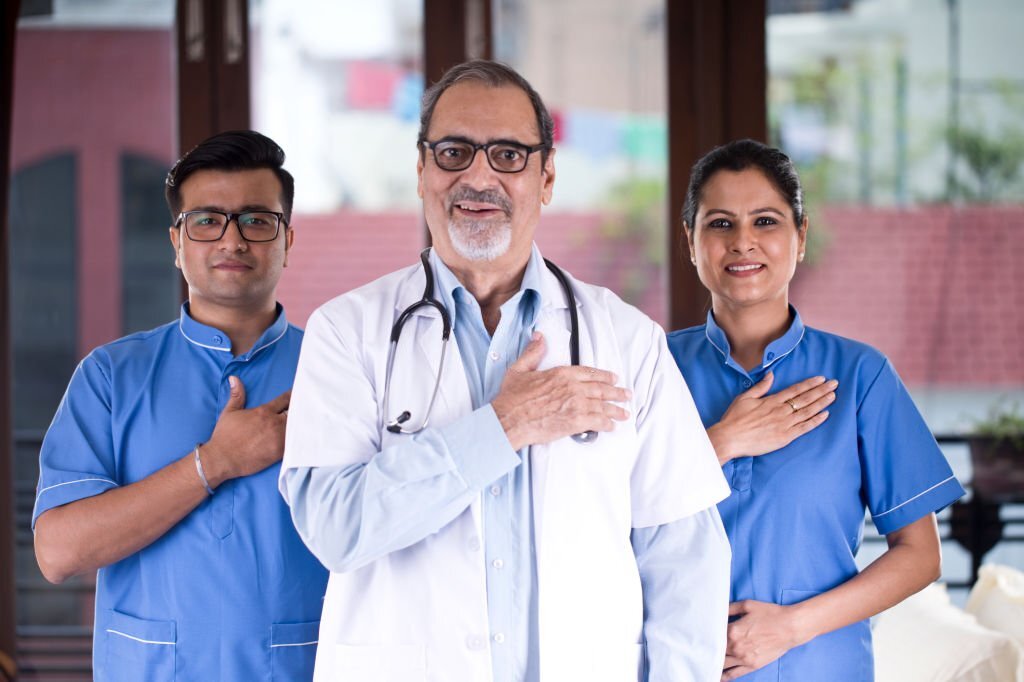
(790, 403)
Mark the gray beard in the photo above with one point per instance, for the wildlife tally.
(480, 241)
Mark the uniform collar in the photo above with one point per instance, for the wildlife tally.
(776, 350)
(205, 336)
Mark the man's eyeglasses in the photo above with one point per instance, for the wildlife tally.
(210, 226)
(455, 154)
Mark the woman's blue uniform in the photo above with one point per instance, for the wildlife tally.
(795, 516)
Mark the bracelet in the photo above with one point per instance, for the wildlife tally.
(199, 470)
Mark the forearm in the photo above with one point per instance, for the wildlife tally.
(912, 561)
(684, 568)
(351, 515)
(97, 531)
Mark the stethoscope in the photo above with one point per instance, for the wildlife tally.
(428, 300)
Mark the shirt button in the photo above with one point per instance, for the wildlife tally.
(218, 339)
(495, 490)
(770, 356)
(498, 564)
(494, 356)
(499, 638)
(746, 383)
(474, 544)
(475, 642)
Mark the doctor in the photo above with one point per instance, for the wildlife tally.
(491, 544)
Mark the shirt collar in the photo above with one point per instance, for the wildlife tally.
(450, 291)
(212, 338)
(776, 350)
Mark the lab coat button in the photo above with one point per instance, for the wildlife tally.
(499, 638)
(475, 642)
(474, 544)
(495, 490)
(498, 564)
(494, 356)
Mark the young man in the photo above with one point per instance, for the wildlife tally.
(487, 535)
(160, 467)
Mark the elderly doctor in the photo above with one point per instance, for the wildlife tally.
(535, 520)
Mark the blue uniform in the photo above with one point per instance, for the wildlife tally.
(795, 516)
(230, 592)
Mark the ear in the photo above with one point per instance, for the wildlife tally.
(689, 243)
(801, 240)
(175, 234)
(419, 172)
(548, 178)
(289, 239)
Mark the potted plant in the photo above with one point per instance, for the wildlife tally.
(997, 455)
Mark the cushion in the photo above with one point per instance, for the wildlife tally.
(927, 639)
(997, 600)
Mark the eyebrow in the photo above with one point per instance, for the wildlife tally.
(244, 209)
(756, 211)
(500, 140)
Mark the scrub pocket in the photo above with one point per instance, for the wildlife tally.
(293, 650)
(843, 655)
(380, 663)
(138, 649)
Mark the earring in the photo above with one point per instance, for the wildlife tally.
(800, 257)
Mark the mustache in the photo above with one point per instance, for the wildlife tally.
(487, 196)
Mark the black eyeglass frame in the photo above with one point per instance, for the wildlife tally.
(182, 221)
(526, 149)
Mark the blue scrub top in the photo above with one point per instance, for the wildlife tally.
(795, 516)
(230, 593)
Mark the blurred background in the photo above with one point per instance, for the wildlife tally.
(905, 117)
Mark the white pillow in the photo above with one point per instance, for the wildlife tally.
(927, 639)
(997, 600)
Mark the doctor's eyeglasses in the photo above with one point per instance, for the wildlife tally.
(505, 156)
(210, 226)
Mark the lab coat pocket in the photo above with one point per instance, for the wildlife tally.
(293, 650)
(843, 655)
(375, 663)
(138, 649)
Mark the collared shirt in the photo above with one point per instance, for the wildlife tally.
(795, 516)
(471, 457)
(230, 592)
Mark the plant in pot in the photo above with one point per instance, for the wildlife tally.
(997, 455)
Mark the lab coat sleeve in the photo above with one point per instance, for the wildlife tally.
(684, 571)
(353, 501)
(676, 471)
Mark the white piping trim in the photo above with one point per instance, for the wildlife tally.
(270, 343)
(779, 357)
(83, 480)
(274, 646)
(202, 345)
(137, 639)
(712, 342)
(924, 492)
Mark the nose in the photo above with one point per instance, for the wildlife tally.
(479, 173)
(744, 238)
(232, 239)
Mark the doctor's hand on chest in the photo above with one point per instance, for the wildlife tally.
(539, 406)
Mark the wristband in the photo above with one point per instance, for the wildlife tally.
(199, 470)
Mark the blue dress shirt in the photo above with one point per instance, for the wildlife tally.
(230, 593)
(795, 516)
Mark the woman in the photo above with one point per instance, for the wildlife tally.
(801, 475)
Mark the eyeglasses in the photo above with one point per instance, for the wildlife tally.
(455, 154)
(210, 226)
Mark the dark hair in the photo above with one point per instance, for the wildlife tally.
(740, 155)
(494, 74)
(235, 150)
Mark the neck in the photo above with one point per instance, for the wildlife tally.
(244, 325)
(751, 329)
(491, 287)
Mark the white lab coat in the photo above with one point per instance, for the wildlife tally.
(420, 613)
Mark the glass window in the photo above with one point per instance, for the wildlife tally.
(600, 67)
(338, 86)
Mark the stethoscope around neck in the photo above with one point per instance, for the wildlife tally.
(397, 425)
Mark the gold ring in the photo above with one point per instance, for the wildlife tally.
(790, 403)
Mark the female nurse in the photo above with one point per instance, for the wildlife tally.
(803, 462)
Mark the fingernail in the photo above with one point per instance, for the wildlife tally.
(535, 336)
(232, 381)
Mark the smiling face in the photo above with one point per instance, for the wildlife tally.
(745, 242)
(479, 216)
(231, 273)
